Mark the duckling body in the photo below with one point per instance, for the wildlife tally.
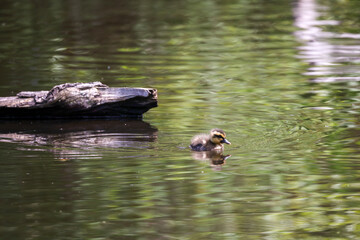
(202, 142)
(209, 142)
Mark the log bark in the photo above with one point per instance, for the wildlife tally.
(80, 100)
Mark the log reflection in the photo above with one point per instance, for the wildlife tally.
(216, 159)
(72, 137)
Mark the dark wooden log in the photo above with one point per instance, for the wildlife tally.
(80, 100)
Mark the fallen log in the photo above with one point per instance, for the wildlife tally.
(80, 100)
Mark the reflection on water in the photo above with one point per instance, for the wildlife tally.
(333, 56)
(73, 138)
(214, 158)
(280, 78)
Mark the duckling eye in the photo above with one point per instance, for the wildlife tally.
(218, 136)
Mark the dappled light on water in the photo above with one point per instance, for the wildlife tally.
(279, 77)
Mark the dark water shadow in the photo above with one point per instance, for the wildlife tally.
(72, 137)
(215, 159)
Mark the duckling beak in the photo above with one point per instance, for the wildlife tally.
(226, 141)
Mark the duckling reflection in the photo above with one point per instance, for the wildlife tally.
(216, 158)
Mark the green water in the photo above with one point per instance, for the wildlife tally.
(280, 77)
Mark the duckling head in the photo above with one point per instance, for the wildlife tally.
(218, 136)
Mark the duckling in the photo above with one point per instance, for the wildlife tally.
(212, 142)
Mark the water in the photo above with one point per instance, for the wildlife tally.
(281, 78)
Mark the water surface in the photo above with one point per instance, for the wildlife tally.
(281, 78)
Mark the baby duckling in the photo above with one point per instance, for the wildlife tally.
(212, 142)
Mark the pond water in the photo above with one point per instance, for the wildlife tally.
(280, 77)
